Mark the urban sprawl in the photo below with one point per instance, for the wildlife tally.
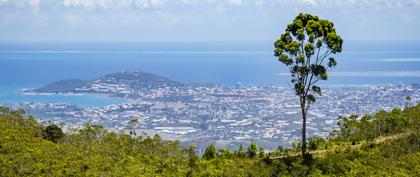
(268, 115)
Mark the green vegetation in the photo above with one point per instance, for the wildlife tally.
(383, 144)
(135, 79)
(306, 48)
(62, 86)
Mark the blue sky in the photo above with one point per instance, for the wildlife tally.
(200, 20)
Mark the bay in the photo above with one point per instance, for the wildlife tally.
(31, 65)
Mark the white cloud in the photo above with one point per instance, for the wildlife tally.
(260, 3)
(169, 4)
(106, 4)
(198, 19)
(34, 3)
(73, 19)
(311, 2)
(236, 2)
(352, 3)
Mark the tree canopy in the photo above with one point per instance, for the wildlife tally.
(306, 48)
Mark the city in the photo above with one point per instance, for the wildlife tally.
(268, 115)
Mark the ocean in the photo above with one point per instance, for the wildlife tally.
(31, 65)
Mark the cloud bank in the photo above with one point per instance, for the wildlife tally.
(202, 20)
(168, 4)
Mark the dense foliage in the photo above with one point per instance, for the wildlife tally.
(383, 144)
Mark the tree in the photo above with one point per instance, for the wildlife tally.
(261, 153)
(316, 143)
(225, 153)
(252, 150)
(210, 152)
(407, 101)
(53, 133)
(240, 152)
(306, 48)
(192, 156)
(132, 125)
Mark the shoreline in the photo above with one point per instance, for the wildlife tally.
(81, 100)
(23, 92)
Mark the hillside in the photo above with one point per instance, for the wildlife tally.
(383, 144)
(123, 82)
(68, 85)
(137, 80)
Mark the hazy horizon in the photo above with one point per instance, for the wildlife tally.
(206, 20)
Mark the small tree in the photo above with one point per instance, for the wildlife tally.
(225, 153)
(240, 152)
(407, 101)
(53, 133)
(210, 152)
(92, 132)
(252, 150)
(316, 143)
(192, 156)
(306, 48)
(132, 126)
(261, 153)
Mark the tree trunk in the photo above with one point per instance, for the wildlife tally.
(303, 145)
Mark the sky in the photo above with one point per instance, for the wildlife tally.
(200, 20)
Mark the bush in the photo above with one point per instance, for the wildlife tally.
(53, 133)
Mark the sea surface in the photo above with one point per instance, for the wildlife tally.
(31, 65)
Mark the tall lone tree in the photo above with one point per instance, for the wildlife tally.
(306, 48)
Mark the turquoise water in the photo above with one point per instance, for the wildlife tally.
(11, 96)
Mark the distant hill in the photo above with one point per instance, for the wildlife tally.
(137, 80)
(114, 83)
(62, 86)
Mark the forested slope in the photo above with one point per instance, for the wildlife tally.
(383, 144)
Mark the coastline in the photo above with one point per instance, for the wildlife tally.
(16, 96)
(23, 92)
